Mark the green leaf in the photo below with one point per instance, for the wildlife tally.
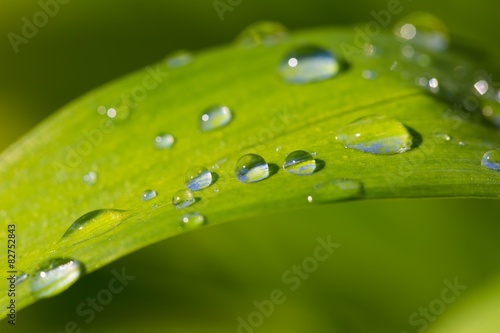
(436, 150)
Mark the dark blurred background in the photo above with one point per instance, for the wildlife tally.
(394, 255)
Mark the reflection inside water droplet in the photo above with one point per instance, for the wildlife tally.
(251, 168)
(55, 276)
(308, 64)
(300, 163)
(491, 160)
(198, 178)
(379, 135)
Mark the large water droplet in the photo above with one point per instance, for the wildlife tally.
(308, 64)
(90, 178)
(183, 199)
(179, 59)
(192, 221)
(379, 135)
(299, 163)
(215, 117)
(423, 30)
(198, 178)
(95, 223)
(491, 160)
(336, 190)
(164, 141)
(148, 195)
(263, 33)
(55, 276)
(251, 168)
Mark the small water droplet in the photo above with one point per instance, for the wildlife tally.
(442, 136)
(336, 190)
(179, 59)
(300, 163)
(148, 195)
(423, 30)
(379, 135)
(434, 85)
(263, 34)
(120, 111)
(251, 168)
(164, 141)
(308, 64)
(101, 109)
(95, 223)
(461, 144)
(369, 75)
(192, 221)
(198, 178)
(491, 160)
(21, 278)
(183, 199)
(90, 178)
(215, 117)
(278, 148)
(55, 276)
(370, 50)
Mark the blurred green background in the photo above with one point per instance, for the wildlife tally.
(394, 254)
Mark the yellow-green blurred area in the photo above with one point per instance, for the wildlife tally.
(394, 258)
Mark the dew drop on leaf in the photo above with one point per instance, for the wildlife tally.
(55, 276)
(164, 141)
(198, 178)
(95, 223)
(378, 135)
(423, 30)
(300, 163)
(307, 64)
(336, 190)
(491, 160)
(441, 136)
(192, 221)
(215, 117)
(263, 33)
(148, 195)
(179, 58)
(251, 168)
(90, 178)
(21, 278)
(183, 199)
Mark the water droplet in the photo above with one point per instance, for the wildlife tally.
(369, 75)
(300, 163)
(192, 221)
(379, 135)
(370, 50)
(164, 141)
(55, 276)
(215, 117)
(442, 136)
(179, 58)
(308, 64)
(95, 223)
(434, 85)
(263, 33)
(491, 160)
(251, 168)
(90, 178)
(101, 109)
(423, 30)
(198, 178)
(120, 111)
(183, 199)
(21, 278)
(148, 195)
(336, 190)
